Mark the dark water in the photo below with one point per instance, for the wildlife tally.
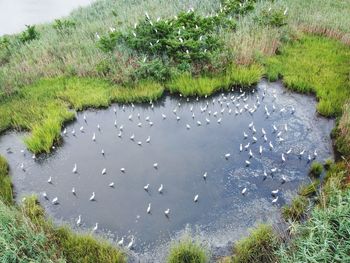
(183, 155)
(15, 14)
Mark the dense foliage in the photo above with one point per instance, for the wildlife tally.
(187, 251)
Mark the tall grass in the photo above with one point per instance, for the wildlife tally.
(325, 237)
(6, 194)
(342, 141)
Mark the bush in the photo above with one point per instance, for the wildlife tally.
(259, 247)
(296, 210)
(29, 34)
(187, 252)
(316, 169)
(154, 70)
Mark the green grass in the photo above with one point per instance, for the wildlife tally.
(315, 65)
(187, 251)
(6, 194)
(316, 169)
(259, 247)
(45, 106)
(296, 210)
(242, 76)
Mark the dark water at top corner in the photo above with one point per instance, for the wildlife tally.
(222, 214)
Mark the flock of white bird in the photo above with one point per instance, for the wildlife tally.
(233, 105)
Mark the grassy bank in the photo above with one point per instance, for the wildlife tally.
(26, 235)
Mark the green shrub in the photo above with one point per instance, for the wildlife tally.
(153, 70)
(327, 164)
(29, 34)
(259, 247)
(316, 169)
(187, 251)
(295, 211)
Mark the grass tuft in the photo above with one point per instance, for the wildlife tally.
(260, 246)
(296, 210)
(6, 194)
(316, 169)
(187, 251)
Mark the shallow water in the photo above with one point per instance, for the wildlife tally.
(15, 14)
(222, 214)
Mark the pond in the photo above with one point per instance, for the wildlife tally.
(186, 138)
(15, 14)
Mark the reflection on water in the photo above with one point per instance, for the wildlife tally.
(184, 151)
(15, 14)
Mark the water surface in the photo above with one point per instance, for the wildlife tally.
(15, 14)
(222, 214)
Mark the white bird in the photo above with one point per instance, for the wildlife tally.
(188, 126)
(73, 132)
(240, 147)
(251, 124)
(195, 199)
(92, 197)
(167, 212)
(22, 167)
(146, 187)
(131, 243)
(273, 169)
(148, 139)
(199, 123)
(177, 118)
(219, 120)
(245, 135)
(205, 175)
(274, 192)
(120, 134)
(149, 208)
(139, 124)
(274, 201)
(285, 127)
(84, 117)
(122, 170)
(227, 155)
(265, 138)
(98, 127)
(121, 242)
(65, 131)
(315, 154)
(289, 151)
(246, 146)
(82, 129)
(79, 220)
(160, 189)
(271, 145)
(244, 190)
(155, 165)
(163, 116)
(73, 191)
(139, 143)
(283, 158)
(49, 180)
(274, 128)
(45, 195)
(103, 152)
(302, 152)
(55, 201)
(260, 149)
(130, 117)
(247, 162)
(255, 139)
(263, 131)
(95, 227)
(94, 137)
(104, 171)
(111, 184)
